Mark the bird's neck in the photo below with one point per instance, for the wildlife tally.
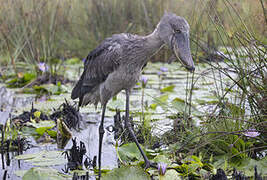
(150, 45)
(153, 42)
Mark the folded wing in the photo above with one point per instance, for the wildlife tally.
(98, 65)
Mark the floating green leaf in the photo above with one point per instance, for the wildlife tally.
(129, 152)
(37, 89)
(249, 165)
(178, 104)
(42, 130)
(52, 133)
(171, 175)
(20, 173)
(47, 123)
(43, 126)
(21, 81)
(44, 158)
(168, 88)
(161, 158)
(127, 172)
(42, 174)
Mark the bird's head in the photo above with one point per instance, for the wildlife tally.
(174, 31)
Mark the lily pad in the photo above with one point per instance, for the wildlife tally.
(43, 126)
(41, 173)
(42, 130)
(129, 152)
(168, 88)
(171, 175)
(127, 172)
(248, 166)
(50, 124)
(20, 173)
(178, 104)
(44, 158)
(21, 80)
(161, 158)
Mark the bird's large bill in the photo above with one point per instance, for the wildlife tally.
(181, 49)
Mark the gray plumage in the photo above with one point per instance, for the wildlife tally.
(118, 61)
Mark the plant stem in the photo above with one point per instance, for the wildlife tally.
(264, 11)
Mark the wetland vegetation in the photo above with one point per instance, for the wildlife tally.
(203, 125)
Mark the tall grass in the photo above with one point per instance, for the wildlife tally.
(35, 31)
(31, 31)
(242, 98)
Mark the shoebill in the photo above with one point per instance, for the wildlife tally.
(117, 63)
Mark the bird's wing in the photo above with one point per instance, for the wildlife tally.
(98, 65)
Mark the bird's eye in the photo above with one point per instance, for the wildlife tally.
(177, 31)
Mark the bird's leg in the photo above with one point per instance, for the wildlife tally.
(129, 127)
(101, 134)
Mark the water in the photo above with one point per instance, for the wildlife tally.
(205, 84)
(12, 103)
(89, 135)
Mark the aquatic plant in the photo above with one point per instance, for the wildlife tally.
(75, 155)
(162, 167)
(144, 80)
(251, 133)
(163, 69)
(43, 67)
